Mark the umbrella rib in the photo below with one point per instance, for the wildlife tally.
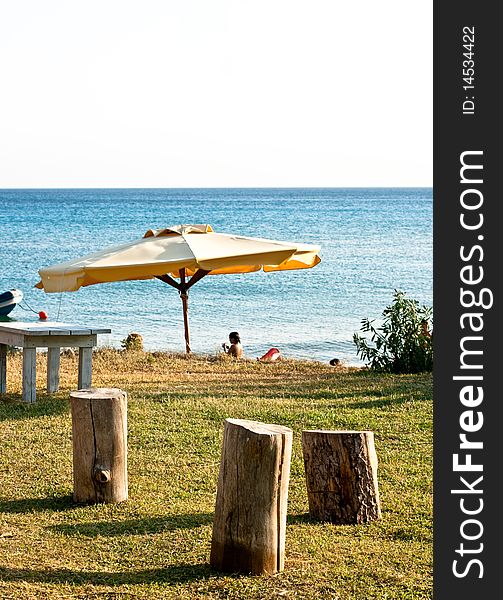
(198, 275)
(169, 280)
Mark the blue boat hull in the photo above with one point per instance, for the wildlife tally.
(8, 301)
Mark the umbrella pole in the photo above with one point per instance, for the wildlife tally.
(185, 303)
(184, 295)
(183, 289)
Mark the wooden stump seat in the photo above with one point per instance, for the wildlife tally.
(341, 476)
(99, 438)
(250, 513)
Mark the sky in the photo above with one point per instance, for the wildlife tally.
(220, 93)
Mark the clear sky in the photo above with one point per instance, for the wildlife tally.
(215, 93)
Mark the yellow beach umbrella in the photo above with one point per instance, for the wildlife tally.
(185, 252)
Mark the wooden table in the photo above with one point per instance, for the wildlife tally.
(53, 336)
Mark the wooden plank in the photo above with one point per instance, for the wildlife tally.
(53, 361)
(49, 328)
(13, 327)
(19, 327)
(70, 330)
(87, 331)
(60, 341)
(85, 368)
(3, 368)
(29, 374)
(95, 330)
(11, 338)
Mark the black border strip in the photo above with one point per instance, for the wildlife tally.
(459, 408)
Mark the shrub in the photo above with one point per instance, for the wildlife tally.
(403, 343)
(133, 343)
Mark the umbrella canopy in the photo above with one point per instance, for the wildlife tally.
(181, 251)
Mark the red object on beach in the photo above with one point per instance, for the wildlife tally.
(42, 315)
(270, 355)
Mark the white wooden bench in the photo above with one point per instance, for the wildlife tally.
(53, 336)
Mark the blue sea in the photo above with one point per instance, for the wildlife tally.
(373, 241)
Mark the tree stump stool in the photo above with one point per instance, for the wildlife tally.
(341, 476)
(99, 437)
(250, 512)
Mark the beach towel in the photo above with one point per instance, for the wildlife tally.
(270, 355)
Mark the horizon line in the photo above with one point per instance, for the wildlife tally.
(341, 187)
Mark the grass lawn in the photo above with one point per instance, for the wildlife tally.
(157, 544)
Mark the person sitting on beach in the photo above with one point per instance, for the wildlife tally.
(235, 349)
(270, 356)
(426, 334)
(425, 328)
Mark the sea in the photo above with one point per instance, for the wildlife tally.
(373, 241)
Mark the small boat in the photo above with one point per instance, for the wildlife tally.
(8, 301)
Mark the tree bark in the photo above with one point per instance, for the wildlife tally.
(99, 435)
(250, 513)
(341, 476)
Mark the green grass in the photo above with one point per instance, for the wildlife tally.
(156, 545)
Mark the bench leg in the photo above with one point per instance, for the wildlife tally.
(85, 367)
(53, 361)
(3, 368)
(29, 374)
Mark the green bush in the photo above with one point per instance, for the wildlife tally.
(403, 343)
(133, 343)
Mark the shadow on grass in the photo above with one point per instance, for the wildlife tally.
(301, 519)
(384, 402)
(172, 575)
(306, 519)
(13, 408)
(327, 395)
(31, 505)
(143, 526)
